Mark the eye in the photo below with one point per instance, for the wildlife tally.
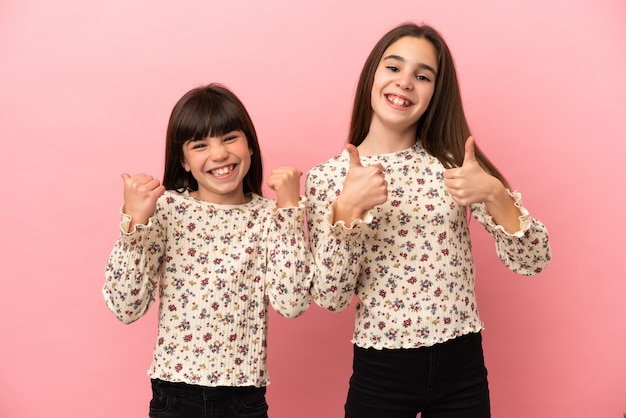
(393, 68)
(196, 145)
(233, 136)
(422, 77)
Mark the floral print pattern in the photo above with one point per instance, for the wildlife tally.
(409, 261)
(215, 268)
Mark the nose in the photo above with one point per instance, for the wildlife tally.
(217, 152)
(405, 81)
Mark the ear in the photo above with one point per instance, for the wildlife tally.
(185, 165)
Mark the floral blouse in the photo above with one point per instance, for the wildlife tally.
(215, 268)
(409, 261)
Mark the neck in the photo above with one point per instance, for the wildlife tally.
(382, 140)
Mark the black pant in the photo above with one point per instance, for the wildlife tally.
(180, 400)
(447, 380)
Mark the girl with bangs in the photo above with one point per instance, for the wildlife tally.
(216, 253)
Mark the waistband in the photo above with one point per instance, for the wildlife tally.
(200, 392)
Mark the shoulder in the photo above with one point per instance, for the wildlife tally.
(334, 165)
(258, 200)
(258, 204)
(173, 197)
(174, 201)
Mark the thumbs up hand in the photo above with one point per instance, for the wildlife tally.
(353, 153)
(470, 183)
(141, 192)
(285, 181)
(363, 188)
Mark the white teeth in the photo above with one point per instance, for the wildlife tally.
(222, 171)
(398, 101)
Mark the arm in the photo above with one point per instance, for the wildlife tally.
(131, 273)
(527, 251)
(521, 242)
(335, 226)
(470, 184)
(132, 270)
(289, 267)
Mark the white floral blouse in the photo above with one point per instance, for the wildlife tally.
(215, 268)
(409, 261)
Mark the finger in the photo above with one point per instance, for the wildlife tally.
(271, 180)
(355, 159)
(470, 153)
(137, 179)
(380, 169)
(449, 173)
(152, 184)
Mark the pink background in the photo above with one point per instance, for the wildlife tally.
(86, 88)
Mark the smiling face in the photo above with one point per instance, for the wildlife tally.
(219, 165)
(404, 83)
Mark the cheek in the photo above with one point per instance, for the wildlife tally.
(184, 161)
(246, 160)
(375, 94)
(377, 84)
(428, 94)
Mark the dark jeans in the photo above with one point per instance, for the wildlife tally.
(180, 400)
(448, 380)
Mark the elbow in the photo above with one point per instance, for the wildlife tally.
(126, 319)
(293, 309)
(332, 298)
(533, 268)
(126, 314)
(294, 305)
(332, 304)
(290, 314)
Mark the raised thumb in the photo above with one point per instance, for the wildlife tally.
(470, 154)
(355, 159)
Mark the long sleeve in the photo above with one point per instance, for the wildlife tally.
(289, 269)
(213, 270)
(132, 270)
(413, 261)
(337, 249)
(526, 252)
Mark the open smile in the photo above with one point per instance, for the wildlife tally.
(398, 100)
(222, 171)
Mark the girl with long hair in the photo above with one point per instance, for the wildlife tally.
(388, 222)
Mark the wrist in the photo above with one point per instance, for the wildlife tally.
(346, 212)
(498, 194)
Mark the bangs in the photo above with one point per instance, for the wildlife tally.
(203, 118)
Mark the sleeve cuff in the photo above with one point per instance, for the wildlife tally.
(301, 205)
(366, 218)
(125, 223)
(524, 218)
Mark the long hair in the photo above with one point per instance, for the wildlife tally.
(210, 110)
(443, 128)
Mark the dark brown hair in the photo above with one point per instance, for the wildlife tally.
(443, 128)
(210, 110)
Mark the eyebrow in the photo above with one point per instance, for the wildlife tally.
(419, 64)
